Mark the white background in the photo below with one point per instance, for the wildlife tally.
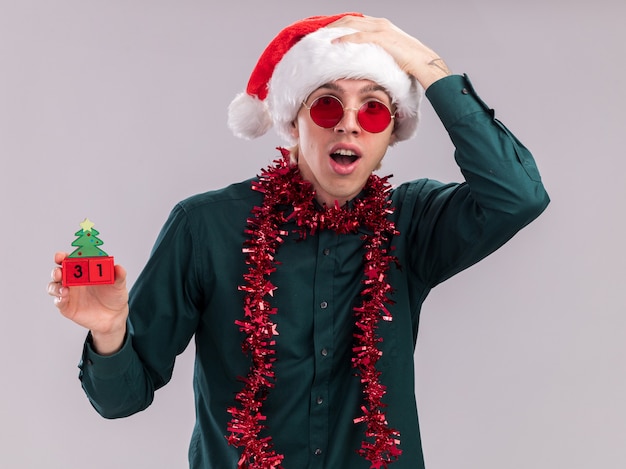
(115, 110)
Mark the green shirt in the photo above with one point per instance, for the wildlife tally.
(189, 289)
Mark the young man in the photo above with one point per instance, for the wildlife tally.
(317, 268)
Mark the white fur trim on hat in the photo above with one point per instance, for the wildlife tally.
(315, 61)
(312, 62)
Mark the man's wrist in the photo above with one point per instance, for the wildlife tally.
(434, 70)
(106, 344)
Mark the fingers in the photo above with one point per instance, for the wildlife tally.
(378, 31)
(120, 274)
(59, 256)
(411, 55)
(59, 292)
(365, 24)
(57, 274)
(55, 288)
(359, 22)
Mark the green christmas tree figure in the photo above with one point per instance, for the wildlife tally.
(87, 242)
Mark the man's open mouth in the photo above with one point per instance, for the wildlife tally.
(344, 157)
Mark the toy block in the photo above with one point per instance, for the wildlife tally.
(101, 270)
(88, 271)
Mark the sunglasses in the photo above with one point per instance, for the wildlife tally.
(327, 111)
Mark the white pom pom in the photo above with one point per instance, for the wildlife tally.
(248, 117)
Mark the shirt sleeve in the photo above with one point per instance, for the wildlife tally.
(116, 385)
(455, 225)
(164, 313)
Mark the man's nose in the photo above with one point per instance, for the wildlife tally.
(349, 123)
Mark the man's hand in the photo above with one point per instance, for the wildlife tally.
(410, 54)
(103, 309)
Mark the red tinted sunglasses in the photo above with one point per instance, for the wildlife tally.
(327, 111)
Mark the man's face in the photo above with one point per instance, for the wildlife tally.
(339, 160)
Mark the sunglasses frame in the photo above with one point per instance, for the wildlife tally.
(392, 115)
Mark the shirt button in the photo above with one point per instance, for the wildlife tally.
(317, 452)
(324, 352)
(320, 400)
(323, 305)
(465, 91)
(326, 252)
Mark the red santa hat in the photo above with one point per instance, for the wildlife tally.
(300, 59)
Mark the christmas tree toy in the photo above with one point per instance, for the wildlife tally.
(88, 264)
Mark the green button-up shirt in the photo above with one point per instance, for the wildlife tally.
(189, 289)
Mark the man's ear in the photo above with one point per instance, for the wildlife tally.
(293, 130)
(393, 139)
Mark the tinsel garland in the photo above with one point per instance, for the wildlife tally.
(282, 186)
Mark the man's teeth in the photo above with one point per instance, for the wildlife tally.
(344, 152)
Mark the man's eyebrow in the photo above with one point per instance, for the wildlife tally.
(371, 88)
(366, 89)
(331, 86)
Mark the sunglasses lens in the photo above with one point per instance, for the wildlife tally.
(326, 111)
(374, 116)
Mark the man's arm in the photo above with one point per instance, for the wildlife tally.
(135, 337)
(456, 225)
(111, 372)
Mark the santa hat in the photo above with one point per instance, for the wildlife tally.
(300, 59)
